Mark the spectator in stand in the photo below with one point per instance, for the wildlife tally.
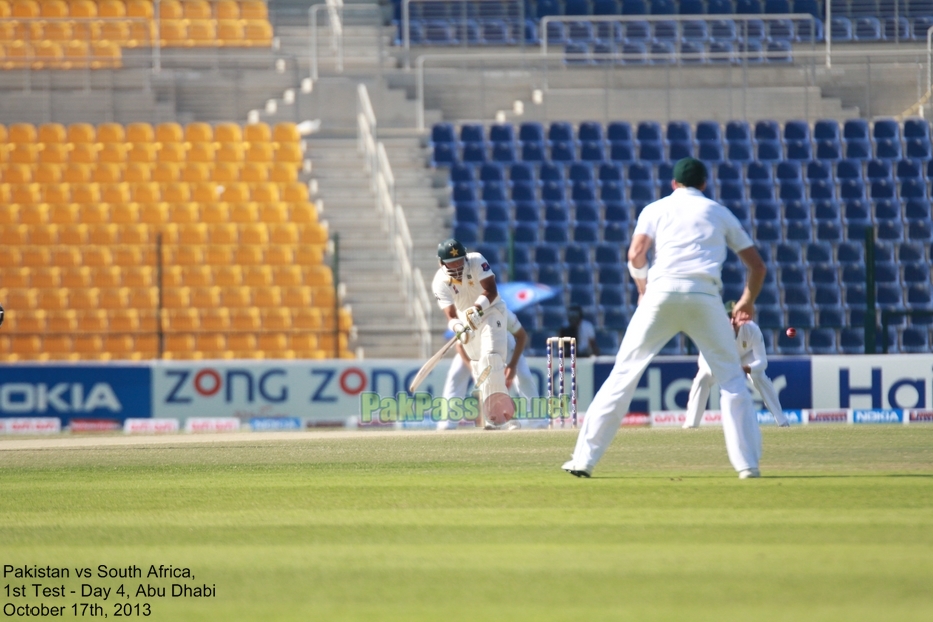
(582, 330)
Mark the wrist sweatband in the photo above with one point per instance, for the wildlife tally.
(482, 302)
(638, 273)
(452, 324)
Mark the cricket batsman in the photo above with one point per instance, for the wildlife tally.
(465, 288)
(751, 348)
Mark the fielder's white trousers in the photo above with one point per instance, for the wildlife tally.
(704, 381)
(659, 317)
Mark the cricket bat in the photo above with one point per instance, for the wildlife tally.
(428, 367)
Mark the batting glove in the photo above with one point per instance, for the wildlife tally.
(474, 317)
(461, 331)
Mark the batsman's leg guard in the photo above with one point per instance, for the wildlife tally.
(497, 403)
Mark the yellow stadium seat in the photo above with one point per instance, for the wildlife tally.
(18, 174)
(171, 9)
(289, 153)
(153, 213)
(254, 234)
(303, 213)
(280, 256)
(202, 152)
(24, 153)
(128, 256)
(267, 297)
(10, 258)
(124, 320)
(327, 342)
(135, 234)
(294, 297)
(213, 212)
(75, 278)
(22, 133)
(257, 33)
(222, 233)
(204, 192)
(64, 213)
(53, 8)
(166, 172)
(215, 319)
(19, 54)
(114, 153)
(54, 154)
(228, 134)
(94, 214)
(7, 11)
(107, 278)
(273, 342)
(318, 276)
(77, 53)
(257, 133)
(307, 319)
(147, 192)
(196, 172)
(82, 133)
(85, 31)
(107, 172)
(118, 32)
(236, 297)
(115, 193)
(172, 152)
(197, 9)
(235, 192)
(248, 256)
(230, 153)
(52, 133)
(146, 346)
(88, 345)
(84, 299)
(34, 214)
(56, 193)
(27, 321)
(73, 235)
(17, 277)
(97, 257)
(103, 235)
(140, 133)
(179, 343)
(259, 152)
(169, 132)
(52, 299)
(186, 256)
(83, 153)
(228, 276)
(83, 8)
(17, 299)
(265, 193)
(25, 194)
(244, 212)
(137, 172)
(226, 9)
(76, 173)
(118, 344)
(111, 133)
(139, 8)
(44, 278)
(183, 213)
(288, 276)
(225, 173)
(192, 233)
(124, 213)
(253, 9)
(324, 298)
(115, 297)
(196, 276)
(198, 132)
(278, 213)
(202, 33)
(43, 235)
(105, 55)
(138, 276)
(283, 173)
(241, 342)
(173, 276)
(257, 276)
(255, 172)
(210, 342)
(205, 297)
(174, 33)
(176, 192)
(85, 194)
(142, 152)
(9, 214)
(58, 31)
(14, 235)
(48, 173)
(26, 344)
(303, 342)
(183, 320)
(285, 132)
(143, 298)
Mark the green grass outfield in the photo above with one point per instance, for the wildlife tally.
(477, 526)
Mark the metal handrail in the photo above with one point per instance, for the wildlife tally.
(335, 20)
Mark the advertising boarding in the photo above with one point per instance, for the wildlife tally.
(873, 382)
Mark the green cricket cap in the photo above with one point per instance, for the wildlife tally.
(690, 172)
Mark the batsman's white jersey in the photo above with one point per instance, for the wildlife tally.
(690, 234)
(750, 345)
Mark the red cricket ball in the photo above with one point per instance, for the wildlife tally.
(791, 332)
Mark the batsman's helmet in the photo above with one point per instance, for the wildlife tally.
(450, 250)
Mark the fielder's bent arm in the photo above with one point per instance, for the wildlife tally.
(638, 257)
(744, 309)
(521, 338)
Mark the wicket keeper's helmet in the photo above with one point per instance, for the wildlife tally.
(452, 255)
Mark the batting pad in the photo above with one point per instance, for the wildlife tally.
(498, 406)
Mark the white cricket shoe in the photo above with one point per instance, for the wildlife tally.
(573, 469)
(490, 426)
(749, 473)
(513, 425)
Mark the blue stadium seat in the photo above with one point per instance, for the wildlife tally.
(848, 170)
(920, 231)
(883, 189)
(606, 7)
(915, 339)
(691, 7)
(916, 209)
(616, 232)
(822, 341)
(841, 29)
(495, 191)
(819, 170)
(622, 151)
(887, 209)
(913, 189)
(547, 254)
(637, 32)
(829, 231)
(748, 7)
(608, 254)
(788, 253)
(867, 29)
(720, 7)
(578, 7)
(548, 7)
(779, 52)
(767, 210)
(662, 7)
(729, 171)
(531, 131)
(856, 129)
(460, 172)
(797, 210)
(696, 31)
(878, 170)
(789, 171)
(790, 345)
(551, 171)
(611, 274)
(503, 152)
(553, 190)
(467, 212)
(557, 212)
(826, 129)
(498, 212)
(634, 7)
(521, 172)
(616, 211)
(819, 252)
(708, 130)
(721, 52)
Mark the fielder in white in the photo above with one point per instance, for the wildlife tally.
(751, 348)
(465, 288)
(518, 376)
(681, 293)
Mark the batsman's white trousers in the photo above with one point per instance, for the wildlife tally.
(660, 316)
(704, 381)
(458, 378)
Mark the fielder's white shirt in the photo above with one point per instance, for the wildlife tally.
(691, 233)
(463, 294)
(751, 346)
